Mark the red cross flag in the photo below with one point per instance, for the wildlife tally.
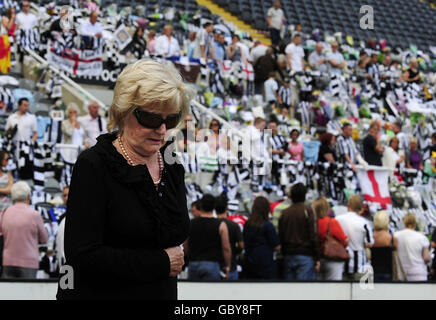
(375, 187)
(239, 219)
(247, 71)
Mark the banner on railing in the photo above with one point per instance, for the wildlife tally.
(86, 61)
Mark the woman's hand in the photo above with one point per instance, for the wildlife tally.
(317, 266)
(177, 260)
(227, 272)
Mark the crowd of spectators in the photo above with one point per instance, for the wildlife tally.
(290, 245)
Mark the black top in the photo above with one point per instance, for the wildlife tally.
(117, 226)
(323, 150)
(56, 26)
(205, 240)
(235, 236)
(137, 46)
(413, 74)
(263, 67)
(259, 246)
(381, 259)
(369, 153)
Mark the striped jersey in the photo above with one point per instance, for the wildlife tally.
(346, 146)
(278, 142)
(285, 94)
(359, 233)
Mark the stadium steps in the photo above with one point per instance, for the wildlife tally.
(215, 9)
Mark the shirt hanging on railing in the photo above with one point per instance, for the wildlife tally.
(29, 39)
(42, 164)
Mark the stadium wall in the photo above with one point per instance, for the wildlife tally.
(46, 290)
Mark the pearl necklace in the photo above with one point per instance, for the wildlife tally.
(130, 161)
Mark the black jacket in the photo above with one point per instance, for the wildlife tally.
(117, 227)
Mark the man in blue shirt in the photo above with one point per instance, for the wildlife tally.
(336, 60)
(219, 47)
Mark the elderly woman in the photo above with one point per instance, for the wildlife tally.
(381, 250)
(6, 181)
(23, 229)
(414, 158)
(126, 213)
(72, 132)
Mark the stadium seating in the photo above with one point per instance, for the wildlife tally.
(400, 22)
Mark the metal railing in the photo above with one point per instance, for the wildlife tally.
(88, 95)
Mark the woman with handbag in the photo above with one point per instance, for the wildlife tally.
(332, 241)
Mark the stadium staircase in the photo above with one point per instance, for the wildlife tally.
(241, 25)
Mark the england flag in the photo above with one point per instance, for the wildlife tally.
(375, 187)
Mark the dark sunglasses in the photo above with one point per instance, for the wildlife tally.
(153, 121)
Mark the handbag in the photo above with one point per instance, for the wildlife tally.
(398, 273)
(332, 249)
(11, 132)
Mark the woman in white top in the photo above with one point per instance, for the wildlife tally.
(393, 155)
(413, 250)
(72, 131)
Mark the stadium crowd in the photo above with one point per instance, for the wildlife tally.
(293, 246)
(327, 104)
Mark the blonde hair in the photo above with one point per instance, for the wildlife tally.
(410, 220)
(381, 220)
(355, 203)
(413, 140)
(321, 207)
(413, 60)
(147, 83)
(72, 107)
